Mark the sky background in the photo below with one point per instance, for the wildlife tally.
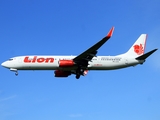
(69, 27)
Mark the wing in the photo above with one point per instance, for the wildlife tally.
(85, 57)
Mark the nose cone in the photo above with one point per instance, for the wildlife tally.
(4, 64)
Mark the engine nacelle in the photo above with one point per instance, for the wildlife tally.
(66, 63)
(60, 73)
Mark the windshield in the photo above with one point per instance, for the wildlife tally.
(10, 59)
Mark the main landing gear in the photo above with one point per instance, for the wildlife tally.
(78, 76)
(79, 72)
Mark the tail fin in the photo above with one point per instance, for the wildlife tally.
(138, 47)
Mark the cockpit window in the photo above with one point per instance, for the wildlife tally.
(10, 59)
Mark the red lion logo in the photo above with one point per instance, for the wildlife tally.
(138, 49)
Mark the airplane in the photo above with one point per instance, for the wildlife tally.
(79, 65)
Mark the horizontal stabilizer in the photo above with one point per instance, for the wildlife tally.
(144, 56)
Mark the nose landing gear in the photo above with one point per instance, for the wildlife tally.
(14, 70)
(16, 73)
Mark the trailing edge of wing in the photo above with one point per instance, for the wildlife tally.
(143, 57)
(95, 47)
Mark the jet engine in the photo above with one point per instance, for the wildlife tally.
(60, 73)
(66, 63)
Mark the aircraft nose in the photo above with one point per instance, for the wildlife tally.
(3, 64)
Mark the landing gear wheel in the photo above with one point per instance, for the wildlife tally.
(77, 76)
(16, 73)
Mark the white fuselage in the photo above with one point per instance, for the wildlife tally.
(52, 62)
(79, 65)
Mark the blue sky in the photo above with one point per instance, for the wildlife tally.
(68, 28)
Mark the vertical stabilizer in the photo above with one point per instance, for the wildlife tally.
(138, 47)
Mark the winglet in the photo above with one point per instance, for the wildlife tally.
(110, 32)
